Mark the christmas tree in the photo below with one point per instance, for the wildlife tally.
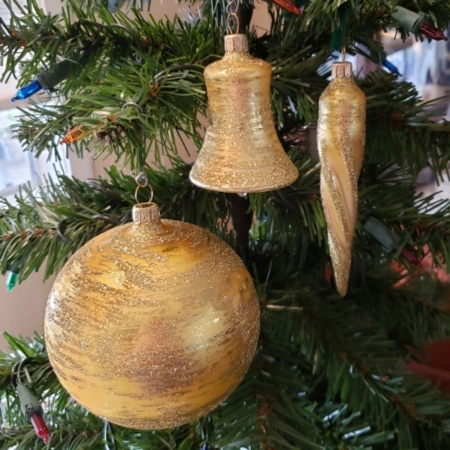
(330, 368)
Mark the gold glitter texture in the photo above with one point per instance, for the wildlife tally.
(341, 139)
(152, 324)
(241, 151)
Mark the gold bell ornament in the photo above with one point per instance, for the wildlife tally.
(152, 324)
(341, 139)
(241, 152)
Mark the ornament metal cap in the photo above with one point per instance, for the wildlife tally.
(146, 213)
(342, 70)
(236, 43)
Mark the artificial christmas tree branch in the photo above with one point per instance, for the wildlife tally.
(65, 215)
(359, 374)
(294, 77)
(329, 372)
(398, 308)
(242, 220)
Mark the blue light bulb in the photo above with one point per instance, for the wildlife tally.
(391, 67)
(27, 91)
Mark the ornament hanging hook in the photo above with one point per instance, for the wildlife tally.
(232, 15)
(343, 52)
(232, 6)
(142, 181)
(231, 10)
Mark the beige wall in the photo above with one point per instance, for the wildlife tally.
(22, 310)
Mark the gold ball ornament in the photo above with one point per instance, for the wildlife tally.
(152, 324)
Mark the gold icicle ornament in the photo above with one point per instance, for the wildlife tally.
(241, 152)
(152, 324)
(341, 139)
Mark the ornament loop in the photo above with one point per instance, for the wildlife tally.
(343, 53)
(232, 15)
(142, 181)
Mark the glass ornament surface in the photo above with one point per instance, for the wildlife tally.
(341, 137)
(241, 152)
(152, 324)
